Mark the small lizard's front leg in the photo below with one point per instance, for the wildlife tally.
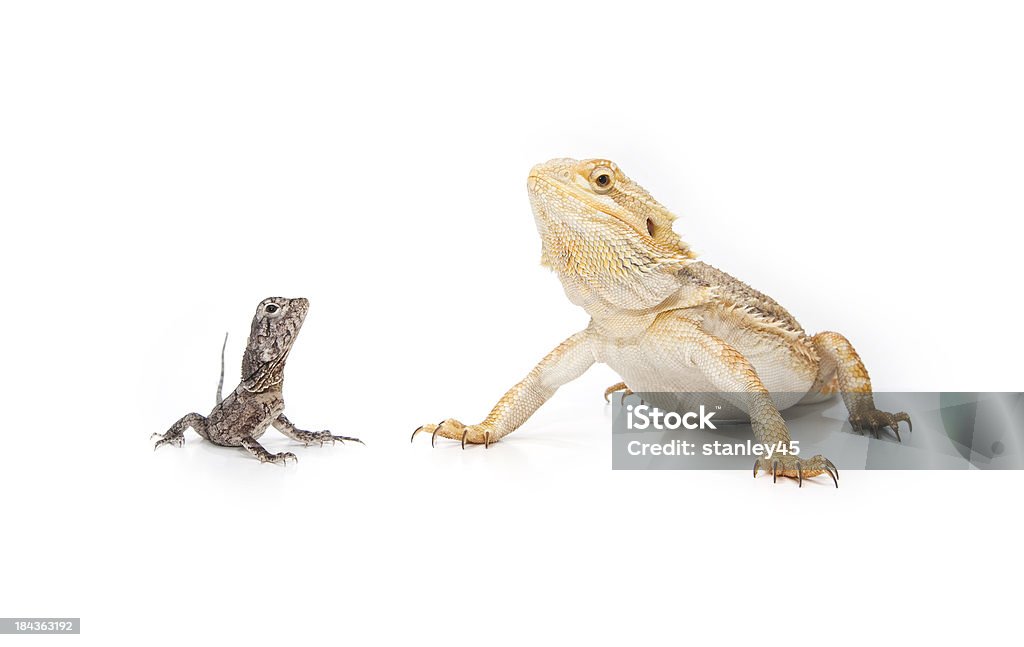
(565, 363)
(286, 427)
(260, 452)
(176, 434)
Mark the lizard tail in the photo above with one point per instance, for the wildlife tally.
(220, 383)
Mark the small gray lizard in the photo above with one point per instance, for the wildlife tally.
(241, 418)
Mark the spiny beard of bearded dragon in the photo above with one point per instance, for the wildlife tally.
(617, 247)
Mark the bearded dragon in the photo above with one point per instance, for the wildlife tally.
(257, 403)
(667, 322)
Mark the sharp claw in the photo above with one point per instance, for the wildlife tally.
(835, 476)
(433, 436)
(487, 440)
(622, 399)
(896, 430)
(775, 470)
(465, 432)
(799, 474)
(836, 469)
(757, 463)
(902, 416)
(418, 430)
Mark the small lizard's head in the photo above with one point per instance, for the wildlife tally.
(274, 329)
(592, 219)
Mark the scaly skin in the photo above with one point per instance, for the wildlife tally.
(669, 323)
(257, 403)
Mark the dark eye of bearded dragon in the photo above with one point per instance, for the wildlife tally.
(271, 309)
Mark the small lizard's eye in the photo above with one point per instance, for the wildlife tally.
(650, 227)
(602, 179)
(271, 309)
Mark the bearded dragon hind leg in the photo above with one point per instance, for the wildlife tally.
(260, 452)
(176, 434)
(873, 420)
(838, 358)
(796, 467)
(285, 426)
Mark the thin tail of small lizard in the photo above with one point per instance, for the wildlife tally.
(220, 383)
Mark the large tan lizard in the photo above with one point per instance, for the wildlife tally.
(666, 322)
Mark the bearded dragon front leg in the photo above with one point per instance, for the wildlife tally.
(682, 342)
(565, 363)
(286, 427)
(840, 363)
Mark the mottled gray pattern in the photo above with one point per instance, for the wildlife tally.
(257, 402)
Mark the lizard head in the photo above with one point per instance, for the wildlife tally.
(274, 329)
(600, 227)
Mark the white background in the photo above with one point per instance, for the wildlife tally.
(165, 167)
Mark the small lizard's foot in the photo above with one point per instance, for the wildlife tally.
(325, 437)
(281, 458)
(474, 434)
(621, 386)
(260, 452)
(170, 438)
(796, 467)
(874, 420)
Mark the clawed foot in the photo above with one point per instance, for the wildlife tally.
(324, 437)
(281, 458)
(873, 420)
(795, 467)
(621, 386)
(455, 430)
(170, 438)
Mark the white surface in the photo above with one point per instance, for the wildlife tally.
(163, 169)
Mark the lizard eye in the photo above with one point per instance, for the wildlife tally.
(271, 309)
(602, 179)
